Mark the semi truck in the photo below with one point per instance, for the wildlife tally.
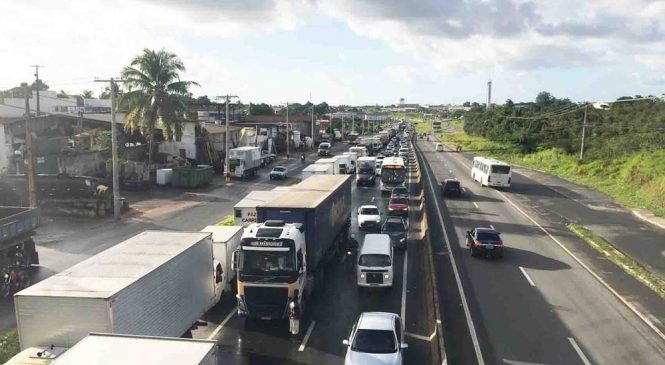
(366, 172)
(157, 283)
(333, 162)
(225, 241)
(344, 163)
(295, 238)
(352, 161)
(245, 161)
(106, 348)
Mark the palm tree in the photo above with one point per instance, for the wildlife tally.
(155, 96)
(87, 94)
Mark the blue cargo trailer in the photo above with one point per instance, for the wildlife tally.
(322, 204)
(17, 225)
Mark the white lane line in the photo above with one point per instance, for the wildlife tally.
(421, 337)
(476, 205)
(491, 226)
(526, 275)
(465, 305)
(309, 333)
(579, 351)
(406, 260)
(219, 328)
(630, 306)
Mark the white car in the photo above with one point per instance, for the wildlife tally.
(369, 217)
(377, 339)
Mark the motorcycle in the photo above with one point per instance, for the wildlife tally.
(302, 158)
(15, 279)
(350, 255)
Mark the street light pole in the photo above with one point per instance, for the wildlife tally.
(287, 131)
(586, 106)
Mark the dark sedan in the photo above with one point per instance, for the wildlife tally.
(451, 188)
(485, 242)
(396, 228)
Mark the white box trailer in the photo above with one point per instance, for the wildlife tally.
(317, 169)
(153, 284)
(114, 349)
(352, 160)
(360, 151)
(330, 161)
(225, 240)
(244, 211)
(344, 162)
(245, 161)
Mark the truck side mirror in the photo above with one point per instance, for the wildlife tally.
(235, 261)
(345, 342)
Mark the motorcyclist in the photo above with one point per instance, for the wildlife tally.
(302, 158)
(351, 252)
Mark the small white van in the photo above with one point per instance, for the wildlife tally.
(439, 147)
(375, 262)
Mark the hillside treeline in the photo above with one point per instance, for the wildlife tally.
(612, 131)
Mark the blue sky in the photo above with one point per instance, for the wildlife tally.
(350, 51)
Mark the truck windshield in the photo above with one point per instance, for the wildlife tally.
(268, 262)
(374, 260)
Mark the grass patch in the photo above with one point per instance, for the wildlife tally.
(9, 346)
(229, 220)
(634, 269)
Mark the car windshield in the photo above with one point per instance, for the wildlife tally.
(488, 236)
(323, 146)
(374, 260)
(393, 227)
(399, 191)
(398, 201)
(374, 341)
(268, 262)
(500, 169)
(452, 184)
(369, 211)
(279, 169)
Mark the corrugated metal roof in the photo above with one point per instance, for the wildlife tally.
(102, 349)
(110, 271)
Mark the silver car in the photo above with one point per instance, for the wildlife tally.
(377, 339)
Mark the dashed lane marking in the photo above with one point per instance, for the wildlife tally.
(476, 205)
(579, 351)
(221, 325)
(421, 337)
(526, 275)
(309, 333)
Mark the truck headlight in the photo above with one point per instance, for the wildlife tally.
(362, 275)
(386, 276)
(402, 239)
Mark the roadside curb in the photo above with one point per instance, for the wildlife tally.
(649, 217)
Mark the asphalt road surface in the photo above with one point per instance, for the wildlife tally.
(63, 242)
(536, 306)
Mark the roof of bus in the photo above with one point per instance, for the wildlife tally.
(389, 161)
(490, 161)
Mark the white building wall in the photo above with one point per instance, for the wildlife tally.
(4, 150)
(187, 142)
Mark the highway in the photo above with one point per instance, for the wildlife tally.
(538, 305)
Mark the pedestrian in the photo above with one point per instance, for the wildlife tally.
(294, 314)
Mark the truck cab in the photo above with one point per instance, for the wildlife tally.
(271, 264)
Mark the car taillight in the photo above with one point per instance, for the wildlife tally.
(477, 243)
(500, 244)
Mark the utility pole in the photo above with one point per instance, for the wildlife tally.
(312, 125)
(586, 106)
(489, 95)
(287, 131)
(30, 173)
(226, 137)
(38, 83)
(114, 148)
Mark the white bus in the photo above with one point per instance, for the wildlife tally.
(393, 174)
(490, 172)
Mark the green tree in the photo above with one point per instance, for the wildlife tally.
(155, 96)
(62, 94)
(87, 94)
(261, 109)
(203, 99)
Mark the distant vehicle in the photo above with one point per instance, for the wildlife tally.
(366, 173)
(400, 192)
(324, 149)
(369, 218)
(360, 151)
(396, 228)
(352, 161)
(333, 162)
(451, 188)
(377, 338)
(393, 174)
(490, 172)
(404, 153)
(245, 161)
(484, 242)
(317, 169)
(377, 166)
(375, 262)
(352, 137)
(278, 172)
(439, 147)
(436, 126)
(398, 206)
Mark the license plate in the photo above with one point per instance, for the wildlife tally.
(266, 318)
(489, 247)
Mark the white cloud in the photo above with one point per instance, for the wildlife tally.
(401, 73)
